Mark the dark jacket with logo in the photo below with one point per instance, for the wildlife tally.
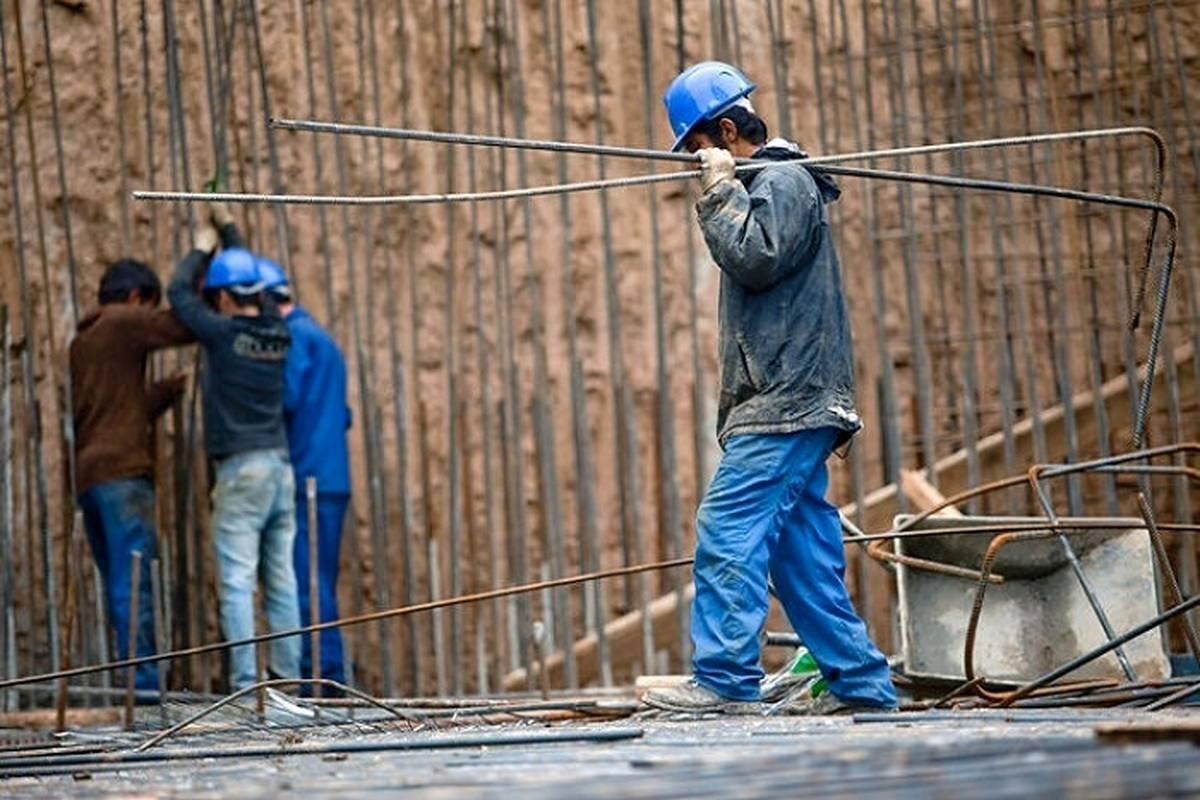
(785, 349)
(242, 365)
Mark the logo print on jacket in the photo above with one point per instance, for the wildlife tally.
(260, 348)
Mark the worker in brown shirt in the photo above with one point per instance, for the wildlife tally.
(115, 409)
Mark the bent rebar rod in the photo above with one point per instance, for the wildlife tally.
(479, 140)
(1085, 583)
(1092, 655)
(617, 151)
(401, 714)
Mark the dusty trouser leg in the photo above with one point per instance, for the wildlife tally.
(242, 501)
(739, 516)
(331, 513)
(119, 520)
(808, 569)
(278, 570)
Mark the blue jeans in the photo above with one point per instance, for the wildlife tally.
(254, 528)
(331, 511)
(119, 519)
(765, 512)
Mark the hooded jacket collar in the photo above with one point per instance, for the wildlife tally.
(779, 149)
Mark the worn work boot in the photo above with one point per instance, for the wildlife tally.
(826, 704)
(692, 698)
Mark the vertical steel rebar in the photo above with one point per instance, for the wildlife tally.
(888, 413)
(454, 519)
(622, 399)
(33, 422)
(1057, 305)
(970, 314)
(1180, 493)
(151, 176)
(864, 592)
(779, 46)
(135, 599)
(59, 160)
(53, 599)
(400, 406)
(897, 104)
(302, 11)
(282, 226)
(314, 581)
(161, 642)
(1023, 325)
(1004, 352)
(374, 473)
(669, 514)
(699, 396)
(1091, 280)
(510, 408)
(543, 426)
(487, 429)
(8, 638)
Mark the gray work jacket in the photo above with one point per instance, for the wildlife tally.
(787, 361)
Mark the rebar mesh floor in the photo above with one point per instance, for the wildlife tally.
(992, 754)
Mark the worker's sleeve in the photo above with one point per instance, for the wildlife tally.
(204, 323)
(159, 328)
(758, 237)
(162, 395)
(231, 237)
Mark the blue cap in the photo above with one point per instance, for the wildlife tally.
(235, 270)
(273, 278)
(701, 92)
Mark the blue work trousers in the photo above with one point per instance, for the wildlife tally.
(764, 513)
(254, 528)
(119, 519)
(331, 511)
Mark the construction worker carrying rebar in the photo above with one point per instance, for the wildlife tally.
(244, 348)
(786, 403)
(317, 418)
(114, 412)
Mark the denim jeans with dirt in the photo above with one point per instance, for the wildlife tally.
(118, 517)
(765, 513)
(254, 528)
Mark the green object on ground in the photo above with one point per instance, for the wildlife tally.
(804, 664)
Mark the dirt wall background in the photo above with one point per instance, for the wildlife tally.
(458, 320)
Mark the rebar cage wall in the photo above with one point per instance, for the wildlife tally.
(533, 383)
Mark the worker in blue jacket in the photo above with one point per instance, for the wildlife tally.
(786, 403)
(317, 418)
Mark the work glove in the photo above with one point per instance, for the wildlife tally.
(219, 213)
(206, 239)
(716, 165)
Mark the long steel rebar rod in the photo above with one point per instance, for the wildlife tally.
(619, 151)
(46, 765)
(953, 182)
(317, 126)
(1143, 404)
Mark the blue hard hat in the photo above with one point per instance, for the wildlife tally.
(701, 92)
(274, 279)
(235, 270)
